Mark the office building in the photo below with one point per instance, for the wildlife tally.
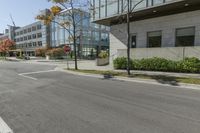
(91, 38)
(30, 37)
(162, 28)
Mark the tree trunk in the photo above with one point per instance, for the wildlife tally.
(74, 43)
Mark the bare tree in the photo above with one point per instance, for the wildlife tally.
(129, 11)
(72, 10)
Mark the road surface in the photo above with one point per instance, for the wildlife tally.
(58, 102)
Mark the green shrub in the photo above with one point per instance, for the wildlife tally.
(160, 64)
(156, 64)
(121, 63)
(189, 65)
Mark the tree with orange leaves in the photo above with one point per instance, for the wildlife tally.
(5, 46)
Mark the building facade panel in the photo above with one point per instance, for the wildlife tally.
(172, 53)
(167, 24)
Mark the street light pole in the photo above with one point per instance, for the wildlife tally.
(128, 37)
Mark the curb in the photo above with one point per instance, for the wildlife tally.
(136, 80)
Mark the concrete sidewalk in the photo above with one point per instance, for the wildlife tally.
(91, 65)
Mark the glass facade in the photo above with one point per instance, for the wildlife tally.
(89, 35)
(107, 8)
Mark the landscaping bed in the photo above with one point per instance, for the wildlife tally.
(188, 65)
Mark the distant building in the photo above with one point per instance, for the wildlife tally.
(30, 37)
(91, 37)
(27, 38)
(9, 33)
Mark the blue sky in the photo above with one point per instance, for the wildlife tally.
(23, 11)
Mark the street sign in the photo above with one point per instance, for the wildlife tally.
(67, 48)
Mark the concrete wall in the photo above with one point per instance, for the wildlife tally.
(176, 53)
(115, 44)
(167, 24)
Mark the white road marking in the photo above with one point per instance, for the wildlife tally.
(37, 72)
(4, 128)
(27, 77)
(28, 73)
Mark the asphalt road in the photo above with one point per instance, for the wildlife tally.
(58, 102)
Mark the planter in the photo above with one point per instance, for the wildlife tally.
(102, 61)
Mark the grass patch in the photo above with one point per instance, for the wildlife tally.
(160, 78)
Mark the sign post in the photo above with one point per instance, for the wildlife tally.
(67, 50)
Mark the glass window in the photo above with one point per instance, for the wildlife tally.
(39, 35)
(97, 36)
(21, 32)
(154, 39)
(168, 0)
(133, 41)
(25, 31)
(40, 43)
(29, 44)
(34, 36)
(29, 29)
(39, 26)
(25, 38)
(24, 45)
(185, 36)
(141, 5)
(103, 8)
(155, 2)
(34, 28)
(96, 13)
(149, 2)
(29, 37)
(34, 44)
(112, 7)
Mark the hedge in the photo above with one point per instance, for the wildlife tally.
(56, 52)
(188, 65)
(40, 52)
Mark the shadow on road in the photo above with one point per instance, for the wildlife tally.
(110, 77)
(159, 78)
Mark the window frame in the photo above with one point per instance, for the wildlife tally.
(148, 46)
(184, 28)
